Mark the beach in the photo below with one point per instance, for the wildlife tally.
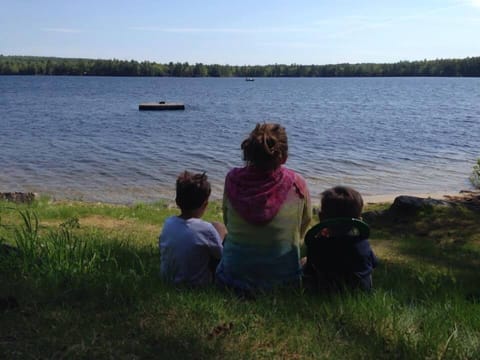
(388, 198)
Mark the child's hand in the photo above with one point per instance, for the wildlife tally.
(221, 229)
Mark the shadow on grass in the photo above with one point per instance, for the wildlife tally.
(440, 246)
(55, 332)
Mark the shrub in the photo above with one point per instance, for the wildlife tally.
(475, 177)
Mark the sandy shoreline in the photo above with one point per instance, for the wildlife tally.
(368, 199)
(467, 194)
(374, 199)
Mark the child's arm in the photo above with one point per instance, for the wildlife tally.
(221, 229)
(215, 244)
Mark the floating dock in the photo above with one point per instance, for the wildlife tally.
(161, 105)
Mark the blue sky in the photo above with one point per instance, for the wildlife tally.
(242, 32)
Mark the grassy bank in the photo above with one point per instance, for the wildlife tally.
(86, 285)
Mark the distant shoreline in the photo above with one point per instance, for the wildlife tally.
(42, 65)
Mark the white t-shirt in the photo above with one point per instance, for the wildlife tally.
(186, 248)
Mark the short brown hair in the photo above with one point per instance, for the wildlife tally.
(192, 190)
(341, 201)
(266, 147)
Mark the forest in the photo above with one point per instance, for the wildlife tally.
(34, 65)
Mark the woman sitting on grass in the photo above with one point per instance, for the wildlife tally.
(190, 248)
(266, 209)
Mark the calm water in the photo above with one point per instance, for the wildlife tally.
(84, 138)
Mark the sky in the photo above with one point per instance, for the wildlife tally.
(246, 32)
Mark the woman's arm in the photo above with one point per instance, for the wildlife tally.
(307, 205)
(224, 209)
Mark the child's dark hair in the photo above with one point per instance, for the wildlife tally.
(341, 201)
(266, 147)
(192, 190)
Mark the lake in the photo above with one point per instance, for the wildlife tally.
(84, 138)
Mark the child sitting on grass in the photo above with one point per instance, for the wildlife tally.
(339, 255)
(190, 248)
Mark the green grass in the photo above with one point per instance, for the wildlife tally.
(87, 286)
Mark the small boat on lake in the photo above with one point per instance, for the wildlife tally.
(249, 79)
(161, 105)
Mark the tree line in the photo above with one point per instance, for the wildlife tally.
(33, 65)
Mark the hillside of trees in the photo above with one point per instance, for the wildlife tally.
(33, 65)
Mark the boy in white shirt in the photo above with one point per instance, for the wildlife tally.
(190, 248)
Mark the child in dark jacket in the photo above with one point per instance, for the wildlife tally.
(339, 255)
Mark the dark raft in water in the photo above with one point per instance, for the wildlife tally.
(161, 105)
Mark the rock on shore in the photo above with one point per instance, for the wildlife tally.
(18, 197)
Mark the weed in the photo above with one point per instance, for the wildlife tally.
(475, 176)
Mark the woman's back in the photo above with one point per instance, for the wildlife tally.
(265, 255)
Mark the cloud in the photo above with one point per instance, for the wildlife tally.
(471, 3)
(475, 3)
(293, 45)
(356, 24)
(62, 30)
(329, 28)
(224, 30)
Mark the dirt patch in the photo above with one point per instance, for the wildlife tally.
(470, 199)
(109, 223)
(104, 222)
